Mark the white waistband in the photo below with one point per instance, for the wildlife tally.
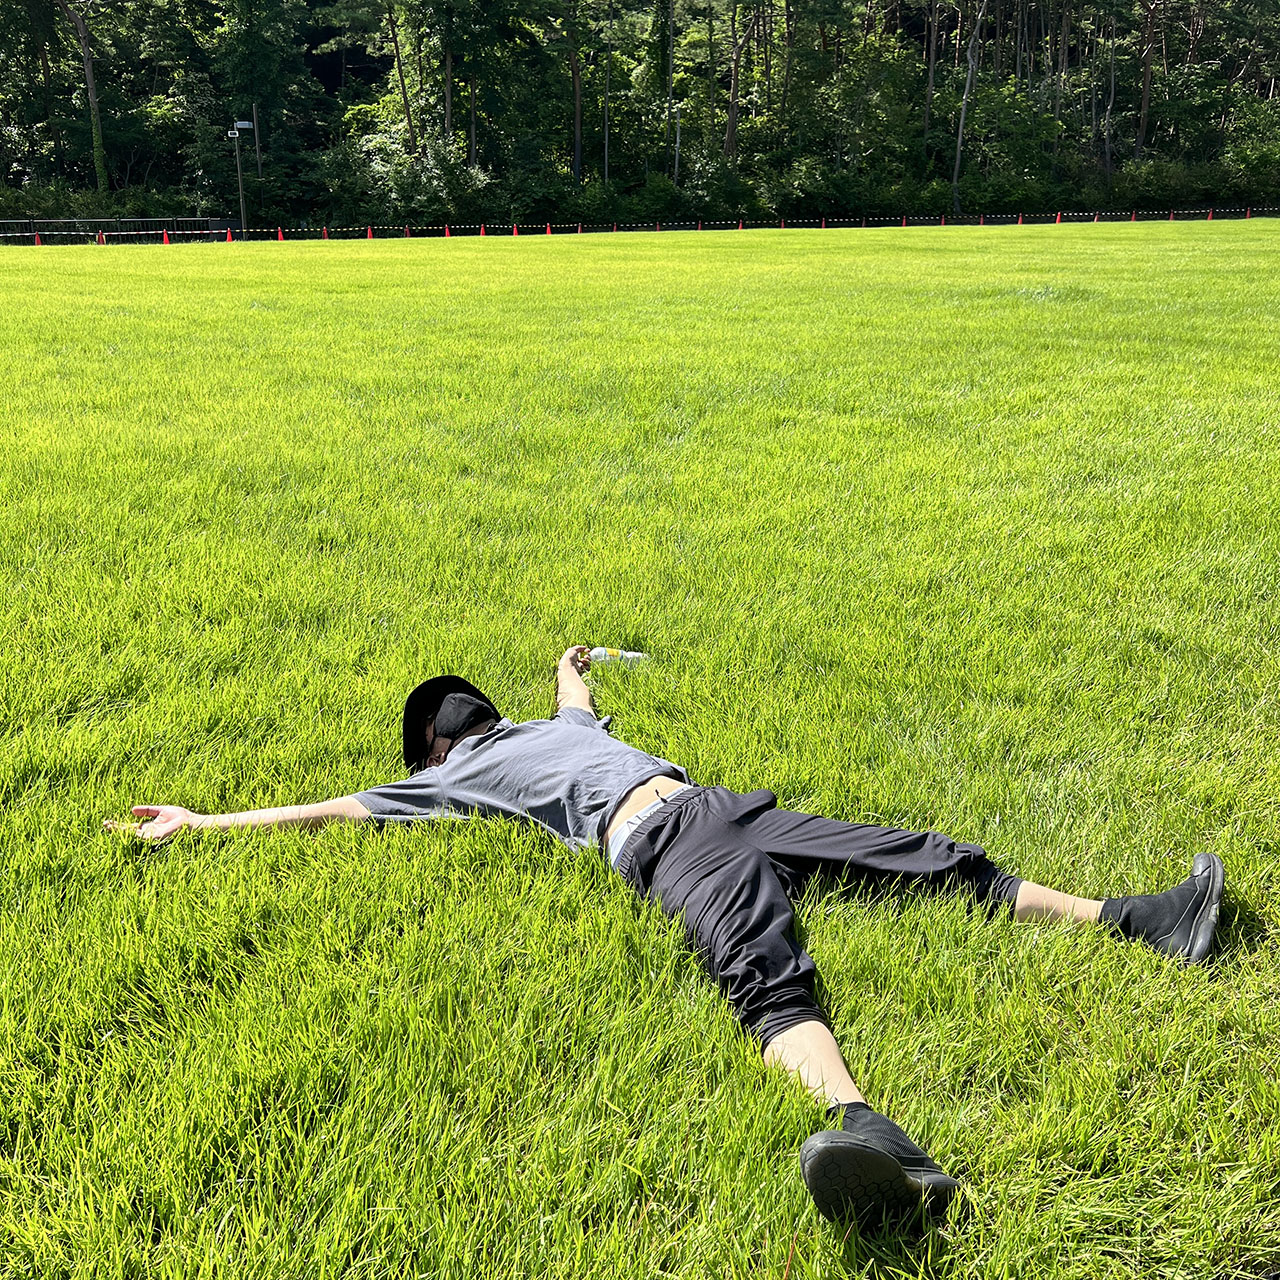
(623, 833)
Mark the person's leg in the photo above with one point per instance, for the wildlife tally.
(1035, 902)
(804, 844)
(867, 1168)
(738, 918)
(810, 1052)
(1178, 923)
(703, 867)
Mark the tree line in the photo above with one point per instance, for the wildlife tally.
(600, 110)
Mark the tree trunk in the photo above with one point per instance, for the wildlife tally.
(1111, 101)
(1062, 74)
(932, 30)
(418, 42)
(575, 72)
(964, 104)
(99, 151)
(608, 62)
(566, 28)
(766, 39)
(448, 94)
(48, 110)
(1148, 49)
(1017, 44)
(789, 36)
(471, 145)
(1194, 32)
(738, 49)
(711, 70)
(404, 92)
(1046, 39)
(671, 68)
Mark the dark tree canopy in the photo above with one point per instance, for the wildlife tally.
(599, 110)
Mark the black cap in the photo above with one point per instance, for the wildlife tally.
(420, 709)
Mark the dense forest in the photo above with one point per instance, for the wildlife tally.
(598, 110)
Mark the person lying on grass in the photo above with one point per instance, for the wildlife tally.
(730, 865)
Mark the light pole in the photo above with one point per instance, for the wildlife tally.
(235, 135)
(675, 177)
(257, 146)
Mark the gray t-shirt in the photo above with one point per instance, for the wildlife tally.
(566, 774)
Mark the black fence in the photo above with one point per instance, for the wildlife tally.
(40, 231)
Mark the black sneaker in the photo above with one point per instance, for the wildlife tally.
(872, 1172)
(1179, 922)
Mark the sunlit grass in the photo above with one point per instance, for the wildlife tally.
(974, 529)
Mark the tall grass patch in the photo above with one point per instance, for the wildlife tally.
(969, 529)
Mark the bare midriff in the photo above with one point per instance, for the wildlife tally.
(638, 797)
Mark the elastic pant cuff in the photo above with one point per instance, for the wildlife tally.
(772, 1025)
(991, 885)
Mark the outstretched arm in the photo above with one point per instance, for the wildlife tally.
(167, 820)
(571, 688)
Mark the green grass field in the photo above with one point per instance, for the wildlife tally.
(976, 530)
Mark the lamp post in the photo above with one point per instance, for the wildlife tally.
(257, 147)
(234, 134)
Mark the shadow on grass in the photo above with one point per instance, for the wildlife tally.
(1240, 928)
(893, 1251)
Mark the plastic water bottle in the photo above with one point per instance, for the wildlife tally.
(627, 656)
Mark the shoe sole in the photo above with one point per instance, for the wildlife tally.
(849, 1180)
(1206, 921)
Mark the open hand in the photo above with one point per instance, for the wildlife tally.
(166, 821)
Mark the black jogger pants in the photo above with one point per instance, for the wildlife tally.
(730, 863)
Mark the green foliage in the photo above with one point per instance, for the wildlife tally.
(831, 99)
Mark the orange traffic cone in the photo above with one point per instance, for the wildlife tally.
(515, 230)
(101, 237)
(482, 228)
(368, 233)
(1058, 219)
(228, 235)
(548, 228)
(37, 235)
(579, 228)
(279, 233)
(446, 231)
(165, 232)
(324, 233)
(1133, 217)
(1210, 217)
(1019, 219)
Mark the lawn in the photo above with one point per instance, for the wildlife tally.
(973, 529)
